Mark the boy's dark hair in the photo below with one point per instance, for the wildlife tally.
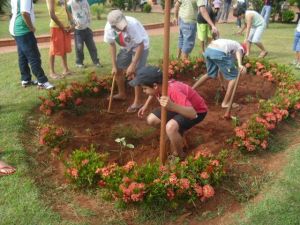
(147, 76)
(239, 11)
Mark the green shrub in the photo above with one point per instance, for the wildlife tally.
(98, 10)
(82, 166)
(118, 4)
(288, 16)
(147, 8)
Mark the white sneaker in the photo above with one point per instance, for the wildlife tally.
(80, 65)
(294, 63)
(46, 85)
(298, 66)
(25, 83)
(99, 65)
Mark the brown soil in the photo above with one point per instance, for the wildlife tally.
(95, 126)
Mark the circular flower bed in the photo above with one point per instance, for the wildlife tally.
(192, 179)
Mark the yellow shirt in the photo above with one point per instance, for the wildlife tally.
(60, 12)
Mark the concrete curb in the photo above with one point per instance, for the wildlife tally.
(46, 38)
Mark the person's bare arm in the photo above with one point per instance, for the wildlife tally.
(27, 19)
(248, 19)
(205, 15)
(52, 14)
(176, 13)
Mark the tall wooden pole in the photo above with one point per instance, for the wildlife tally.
(163, 153)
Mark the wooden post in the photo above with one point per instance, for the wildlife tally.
(163, 153)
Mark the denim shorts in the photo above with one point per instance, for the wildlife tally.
(183, 122)
(124, 58)
(296, 46)
(256, 33)
(187, 36)
(218, 60)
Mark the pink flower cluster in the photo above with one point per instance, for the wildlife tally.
(106, 171)
(132, 192)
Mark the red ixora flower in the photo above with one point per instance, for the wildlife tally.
(208, 191)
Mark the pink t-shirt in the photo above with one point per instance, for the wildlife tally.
(183, 94)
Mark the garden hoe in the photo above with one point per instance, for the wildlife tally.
(111, 95)
(227, 113)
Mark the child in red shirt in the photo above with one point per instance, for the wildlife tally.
(185, 107)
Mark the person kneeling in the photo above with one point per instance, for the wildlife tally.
(220, 57)
(185, 107)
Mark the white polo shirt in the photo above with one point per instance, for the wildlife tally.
(17, 26)
(134, 35)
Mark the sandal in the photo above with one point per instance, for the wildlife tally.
(7, 170)
(133, 109)
(55, 76)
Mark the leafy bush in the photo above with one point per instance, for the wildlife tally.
(147, 8)
(54, 137)
(97, 10)
(118, 4)
(150, 183)
(288, 16)
(257, 5)
(82, 166)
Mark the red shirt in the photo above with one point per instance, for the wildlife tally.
(182, 94)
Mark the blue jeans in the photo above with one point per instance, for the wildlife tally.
(29, 53)
(225, 11)
(187, 36)
(265, 13)
(81, 37)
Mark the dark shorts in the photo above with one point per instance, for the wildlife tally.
(183, 122)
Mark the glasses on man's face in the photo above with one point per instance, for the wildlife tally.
(115, 28)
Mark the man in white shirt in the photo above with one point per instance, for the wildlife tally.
(133, 39)
(81, 14)
(22, 28)
(220, 56)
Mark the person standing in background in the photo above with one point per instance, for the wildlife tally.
(60, 29)
(81, 14)
(186, 19)
(225, 11)
(22, 28)
(266, 11)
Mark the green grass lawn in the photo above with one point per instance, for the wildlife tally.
(20, 198)
(42, 20)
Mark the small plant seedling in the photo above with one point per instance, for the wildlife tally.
(235, 121)
(123, 144)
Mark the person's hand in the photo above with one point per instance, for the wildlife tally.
(130, 71)
(67, 29)
(166, 102)
(242, 69)
(214, 29)
(114, 71)
(175, 21)
(239, 32)
(142, 111)
(32, 29)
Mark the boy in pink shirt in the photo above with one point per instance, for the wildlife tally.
(185, 107)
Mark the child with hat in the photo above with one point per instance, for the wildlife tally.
(185, 107)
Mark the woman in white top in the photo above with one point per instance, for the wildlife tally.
(254, 26)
